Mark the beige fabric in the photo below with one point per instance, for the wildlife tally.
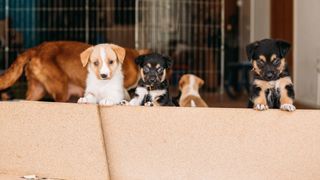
(58, 140)
(207, 143)
(53, 140)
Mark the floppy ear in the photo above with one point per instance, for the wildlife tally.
(168, 61)
(85, 55)
(284, 47)
(182, 82)
(250, 49)
(139, 60)
(120, 52)
(200, 81)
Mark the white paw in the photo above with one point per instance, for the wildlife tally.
(288, 107)
(124, 103)
(150, 104)
(261, 107)
(106, 102)
(83, 100)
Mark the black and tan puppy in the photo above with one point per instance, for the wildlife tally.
(153, 88)
(272, 86)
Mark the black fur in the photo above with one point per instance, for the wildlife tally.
(153, 74)
(269, 70)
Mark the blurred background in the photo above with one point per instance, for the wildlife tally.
(204, 37)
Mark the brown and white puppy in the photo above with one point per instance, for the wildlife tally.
(189, 85)
(105, 77)
(55, 68)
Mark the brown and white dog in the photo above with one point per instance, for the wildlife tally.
(105, 77)
(189, 85)
(55, 68)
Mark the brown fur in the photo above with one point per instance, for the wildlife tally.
(185, 87)
(284, 99)
(186, 102)
(55, 68)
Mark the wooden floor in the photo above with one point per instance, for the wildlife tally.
(218, 100)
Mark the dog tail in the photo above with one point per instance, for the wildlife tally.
(12, 74)
(194, 101)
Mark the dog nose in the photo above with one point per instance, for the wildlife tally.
(152, 79)
(269, 75)
(103, 76)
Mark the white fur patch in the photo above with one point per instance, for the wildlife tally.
(104, 68)
(141, 92)
(156, 93)
(193, 104)
(288, 107)
(104, 92)
(261, 107)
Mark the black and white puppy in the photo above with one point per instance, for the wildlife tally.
(272, 86)
(153, 88)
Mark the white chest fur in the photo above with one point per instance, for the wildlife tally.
(111, 89)
(154, 94)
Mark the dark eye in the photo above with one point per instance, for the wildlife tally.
(146, 69)
(276, 62)
(111, 62)
(159, 70)
(260, 62)
(96, 63)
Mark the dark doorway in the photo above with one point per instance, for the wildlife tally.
(282, 24)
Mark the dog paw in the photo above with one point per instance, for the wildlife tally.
(288, 107)
(261, 107)
(124, 103)
(149, 104)
(106, 102)
(83, 100)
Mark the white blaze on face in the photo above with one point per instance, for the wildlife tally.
(104, 68)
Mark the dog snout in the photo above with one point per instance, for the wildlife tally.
(103, 76)
(153, 79)
(269, 75)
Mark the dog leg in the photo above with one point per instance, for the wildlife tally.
(139, 96)
(55, 81)
(88, 99)
(35, 90)
(286, 95)
(259, 98)
(106, 102)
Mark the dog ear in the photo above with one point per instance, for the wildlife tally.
(85, 55)
(250, 49)
(120, 52)
(139, 60)
(168, 61)
(182, 81)
(284, 47)
(200, 82)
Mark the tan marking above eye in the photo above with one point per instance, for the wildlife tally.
(149, 64)
(158, 65)
(263, 58)
(273, 57)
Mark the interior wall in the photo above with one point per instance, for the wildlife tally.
(307, 51)
(254, 22)
(261, 17)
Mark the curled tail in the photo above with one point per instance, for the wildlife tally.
(12, 74)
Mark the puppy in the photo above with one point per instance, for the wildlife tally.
(55, 68)
(105, 78)
(189, 85)
(153, 88)
(272, 86)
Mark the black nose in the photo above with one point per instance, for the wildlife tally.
(103, 76)
(153, 79)
(269, 75)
